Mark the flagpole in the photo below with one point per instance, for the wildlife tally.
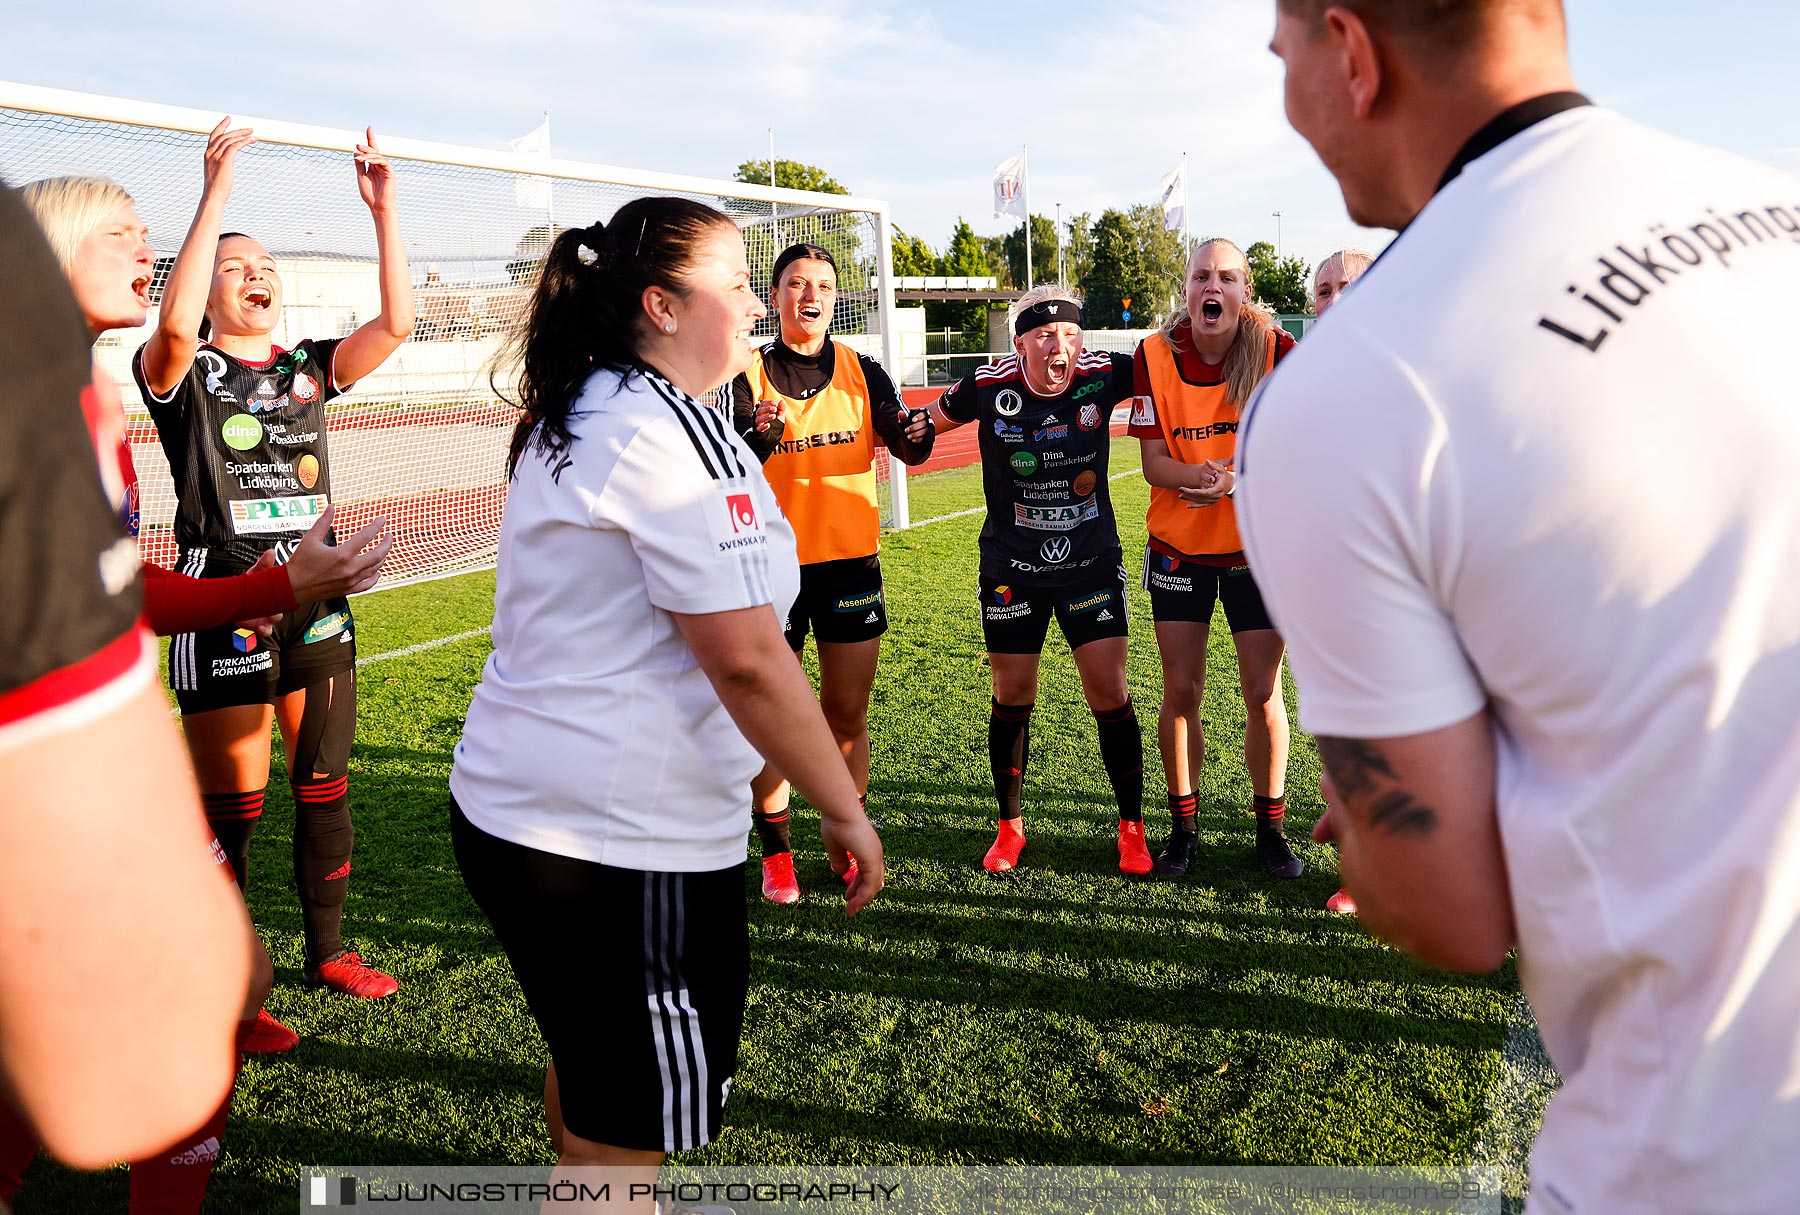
(1187, 206)
(1025, 184)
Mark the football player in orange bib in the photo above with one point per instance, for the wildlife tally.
(1192, 381)
(814, 409)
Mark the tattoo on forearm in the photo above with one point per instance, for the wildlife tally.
(1364, 776)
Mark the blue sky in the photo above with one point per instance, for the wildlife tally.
(912, 102)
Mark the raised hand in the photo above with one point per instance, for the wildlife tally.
(222, 148)
(374, 175)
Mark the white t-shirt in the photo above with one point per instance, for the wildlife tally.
(1594, 531)
(594, 733)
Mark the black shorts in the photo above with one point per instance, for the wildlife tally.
(1181, 589)
(840, 600)
(225, 667)
(1015, 619)
(636, 980)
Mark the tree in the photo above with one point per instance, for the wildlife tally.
(995, 249)
(789, 175)
(966, 256)
(1078, 247)
(529, 255)
(1043, 252)
(912, 256)
(1136, 259)
(1280, 285)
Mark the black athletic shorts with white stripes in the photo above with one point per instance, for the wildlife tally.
(840, 601)
(636, 980)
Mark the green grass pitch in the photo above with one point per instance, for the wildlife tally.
(1057, 1015)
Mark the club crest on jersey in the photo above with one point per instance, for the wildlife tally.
(306, 389)
(1008, 403)
(1089, 418)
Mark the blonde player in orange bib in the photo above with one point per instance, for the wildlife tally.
(1192, 381)
(813, 409)
(1330, 280)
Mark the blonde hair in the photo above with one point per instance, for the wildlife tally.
(1351, 263)
(68, 208)
(1249, 355)
(1037, 295)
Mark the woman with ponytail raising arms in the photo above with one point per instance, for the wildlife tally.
(639, 681)
(1193, 380)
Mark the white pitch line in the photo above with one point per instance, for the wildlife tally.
(420, 648)
(976, 510)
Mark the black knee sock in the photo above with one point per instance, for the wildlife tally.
(1269, 811)
(1183, 807)
(772, 830)
(322, 840)
(232, 817)
(1009, 751)
(1122, 751)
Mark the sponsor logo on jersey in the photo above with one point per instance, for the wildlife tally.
(1088, 389)
(243, 640)
(287, 440)
(733, 523)
(1003, 607)
(243, 664)
(1098, 600)
(829, 438)
(330, 626)
(1089, 418)
(1169, 564)
(1050, 432)
(214, 363)
(1026, 567)
(1056, 550)
(308, 470)
(1204, 432)
(743, 513)
(265, 389)
(1059, 459)
(1143, 412)
(241, 432)
(1084, 484)
(266, 516)
(306, 389)
(1055, 518)
(263, 474)
(1007, 403)
(1107, 615)
(120, 565)
(858, 603)
(872, 618)
(1003, 595)
(1023, 463)
(1009, 434)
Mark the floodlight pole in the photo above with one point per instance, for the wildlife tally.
(1279, 216)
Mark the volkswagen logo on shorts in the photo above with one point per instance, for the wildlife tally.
(1008, 403)
(1055, 550)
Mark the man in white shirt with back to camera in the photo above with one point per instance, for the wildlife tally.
(1526, 507)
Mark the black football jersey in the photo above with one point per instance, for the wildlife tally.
(246, 446)
(1043, 468)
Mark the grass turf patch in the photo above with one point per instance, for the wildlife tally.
(1060, 1014)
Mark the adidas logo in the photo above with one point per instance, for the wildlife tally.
(1105, 615)
(201, 1153)
(873, 618)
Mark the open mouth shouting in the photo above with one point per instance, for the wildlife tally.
(257, 299)
(810, 314)
(140, 288)
(1056, 371)
(1211, 311)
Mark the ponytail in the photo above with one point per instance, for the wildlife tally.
(586, 311)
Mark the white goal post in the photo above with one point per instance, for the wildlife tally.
(422, 441)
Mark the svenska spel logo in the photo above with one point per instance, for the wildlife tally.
(743, 513)
(243, 640)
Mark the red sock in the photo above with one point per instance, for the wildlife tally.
(173, 1181)
(1269, 810)
(18, 1148)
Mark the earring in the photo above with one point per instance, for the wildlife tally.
(668, 326)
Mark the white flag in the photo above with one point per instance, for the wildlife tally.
(1009, 187)
(533, 192)
(1174, 198)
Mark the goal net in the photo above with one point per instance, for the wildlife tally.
(423, 440)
